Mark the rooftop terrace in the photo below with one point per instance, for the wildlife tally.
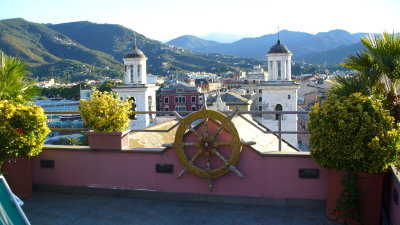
(46, 208)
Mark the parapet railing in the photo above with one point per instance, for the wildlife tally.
(179, 114)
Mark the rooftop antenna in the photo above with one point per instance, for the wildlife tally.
(279, 42)
(278, 32)
(134, 39)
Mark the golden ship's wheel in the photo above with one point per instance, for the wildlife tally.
(208, 155)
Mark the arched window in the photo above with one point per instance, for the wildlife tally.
(150, 102)
(133, 116)
(278, 107)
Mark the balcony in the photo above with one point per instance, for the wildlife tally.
(139, 185)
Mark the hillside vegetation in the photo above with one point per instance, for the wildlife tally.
(85, 50)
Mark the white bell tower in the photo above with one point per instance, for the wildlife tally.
(135, 67)
(135, 87)
(279, 59)
(279, 92)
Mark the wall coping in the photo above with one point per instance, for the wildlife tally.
(162, 150)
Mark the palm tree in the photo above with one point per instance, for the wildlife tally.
(14, 85)
(378, 67)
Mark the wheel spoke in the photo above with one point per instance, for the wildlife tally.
(196, 155)
(183, 171)
(214, 151)
(205, 122)
(218, 131)
(189, 144)
(194, 131)
(191, 162)
(208, 169)
(225, 161)
(221, 143)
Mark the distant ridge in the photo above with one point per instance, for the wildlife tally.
(191, 42)
(304, 46)
(85, 50)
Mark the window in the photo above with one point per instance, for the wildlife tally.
(133, 116)
(180, 108)
(260, 91)
(259, 108)
(193, 99)
(260, 99)
(166, 100)
(179, 90)
(288, 97)
(150, 102)
(180, 99)
(278, 108)
(139, 67)
(247, 91)
(193, 108)
(131, 72)
(166, 108)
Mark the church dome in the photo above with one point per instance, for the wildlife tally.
(278, 48)
(135, 53)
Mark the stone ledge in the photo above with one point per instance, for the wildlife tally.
(162, 150)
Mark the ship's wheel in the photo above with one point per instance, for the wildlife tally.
(208, 154)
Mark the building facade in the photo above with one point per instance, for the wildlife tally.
(180, 97)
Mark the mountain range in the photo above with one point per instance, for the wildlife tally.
(330, 47)
(85, 50)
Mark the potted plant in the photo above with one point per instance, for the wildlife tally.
(355, 139)
(23, 130)
(108, 116)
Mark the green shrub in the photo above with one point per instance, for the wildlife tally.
(105, 113)
(23, 130)
(352, 133)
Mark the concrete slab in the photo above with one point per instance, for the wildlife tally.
(71, 209)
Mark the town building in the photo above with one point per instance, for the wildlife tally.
(207, 85)
(231, 100)
(180, 97)
(257, 73)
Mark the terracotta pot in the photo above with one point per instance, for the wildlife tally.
(108, 140)
(18, 172)
(371, 187)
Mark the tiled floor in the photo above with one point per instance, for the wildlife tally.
(45, 208)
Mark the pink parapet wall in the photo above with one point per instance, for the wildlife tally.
(269, 176)
(394, 207)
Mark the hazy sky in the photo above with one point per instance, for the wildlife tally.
(167, 19)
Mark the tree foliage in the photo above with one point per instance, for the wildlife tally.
(105, 113)
(353, 133)
(14, 84)
(378, 67)
(23, 130)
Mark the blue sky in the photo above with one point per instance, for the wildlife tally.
(166, 19)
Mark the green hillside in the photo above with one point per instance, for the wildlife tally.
(37, 43)
(162, 59)
(85, 50)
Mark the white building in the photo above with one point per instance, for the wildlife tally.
(279, 93)
(86, 94)
(135, 87)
